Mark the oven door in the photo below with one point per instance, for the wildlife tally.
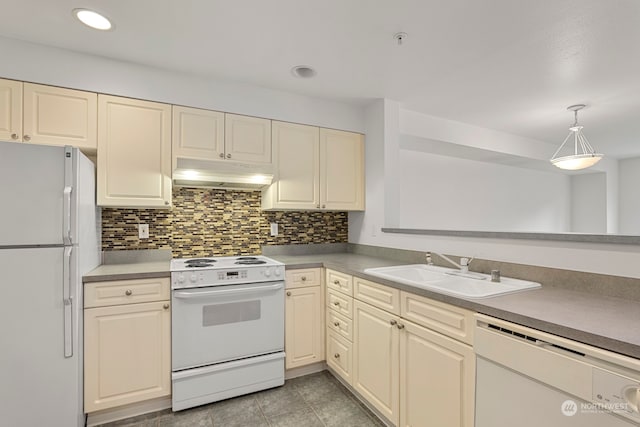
(221, 323)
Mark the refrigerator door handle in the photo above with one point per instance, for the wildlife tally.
(66, 236)
(67, 301)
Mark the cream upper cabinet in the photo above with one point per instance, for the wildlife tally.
(341, 170)
(40, 114)
(127, 343)
(316, 168)
(134, 153)
(247, 139)
(59, 116)
(197, 134)
(437, 379)
(376, 359)
(10, 110)
(304, 326)
(296, 154)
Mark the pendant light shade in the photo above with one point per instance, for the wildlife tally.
(583, 154)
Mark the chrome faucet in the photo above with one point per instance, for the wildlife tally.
(463, 267)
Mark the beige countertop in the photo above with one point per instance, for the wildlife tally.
(606, 322)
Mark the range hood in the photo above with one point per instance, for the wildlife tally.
(221, 174)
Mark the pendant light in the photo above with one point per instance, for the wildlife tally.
(584, 155)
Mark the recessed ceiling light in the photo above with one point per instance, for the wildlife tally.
(93, 19)
(303, 71)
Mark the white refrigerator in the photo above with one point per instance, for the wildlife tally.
(49, 237)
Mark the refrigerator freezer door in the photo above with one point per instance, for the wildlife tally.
(40, 386)
(33, 180)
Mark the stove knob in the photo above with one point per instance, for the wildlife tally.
(193, 278)
(277, 271)
(267, 272)
(181, 278)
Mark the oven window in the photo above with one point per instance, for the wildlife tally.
(233, 312)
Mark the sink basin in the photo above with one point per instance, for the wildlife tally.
(451, 281)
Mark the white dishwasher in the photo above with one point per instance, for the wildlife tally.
(528, 378)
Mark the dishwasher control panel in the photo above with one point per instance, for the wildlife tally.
(616, 393)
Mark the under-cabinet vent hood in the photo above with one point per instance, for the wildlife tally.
(221, 174)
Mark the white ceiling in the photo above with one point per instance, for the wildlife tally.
(510, 65)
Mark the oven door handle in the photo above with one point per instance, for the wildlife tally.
(220, 292)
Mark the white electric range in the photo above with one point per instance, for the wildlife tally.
(227, 328)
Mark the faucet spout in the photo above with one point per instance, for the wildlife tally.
(463, 266)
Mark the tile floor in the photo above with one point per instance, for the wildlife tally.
(314, 400)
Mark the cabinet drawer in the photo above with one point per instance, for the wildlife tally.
(449, 320)
(340, 303)
(101, 294)
(303, 277)
(340, 324)
(377, 295)
(340, 282)
(339, 355)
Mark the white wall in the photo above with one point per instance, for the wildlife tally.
(620, 260)
(629, 196)
(449, 193)
(58, 67)
(589, 203)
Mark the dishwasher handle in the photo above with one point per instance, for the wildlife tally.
(224, 292)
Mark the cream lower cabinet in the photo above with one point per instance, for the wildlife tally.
(127, 342)
(304, 318)
(134, 153)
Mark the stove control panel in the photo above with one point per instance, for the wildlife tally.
(225, 276)
(232, 275)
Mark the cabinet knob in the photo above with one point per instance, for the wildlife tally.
(400, 326)
(27, 138)
(166, 202)
(228, 156)
(303, 278)
(317, 206)
(324, 206)
(14, 136)
(337, 355)
(222, 155)
(336, 303)
(128, 292)
(392, 322)
(336, 323)
(289, 293)
(337, 282)
(166, 306)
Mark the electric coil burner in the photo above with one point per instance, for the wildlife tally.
(227, 328)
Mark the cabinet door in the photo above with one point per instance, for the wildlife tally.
(296, 150)
(134, 153)
(304, 327)
(127, 354)
(376, 358)
(339, 356)
(437, 377)
(58, 116)
(341, 170)
(247, 139)
(197, 134)
(10, 110)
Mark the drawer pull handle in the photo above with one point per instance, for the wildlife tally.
(288, 293)
(27, 138)
(166, 306)
(336, 303)
(336, 323)
(128, 292)
(303, 278)
(337, 355)
(14, 136)
(400, 326)
(221, 155)
(392, 322)
(337, 282)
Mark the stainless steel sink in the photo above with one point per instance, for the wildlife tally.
(450, 281)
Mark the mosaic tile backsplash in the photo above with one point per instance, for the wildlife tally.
(209, 222)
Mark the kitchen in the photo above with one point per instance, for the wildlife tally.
(72, 69)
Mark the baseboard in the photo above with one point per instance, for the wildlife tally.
(305, 370)
(362, 400)
(128, 411)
